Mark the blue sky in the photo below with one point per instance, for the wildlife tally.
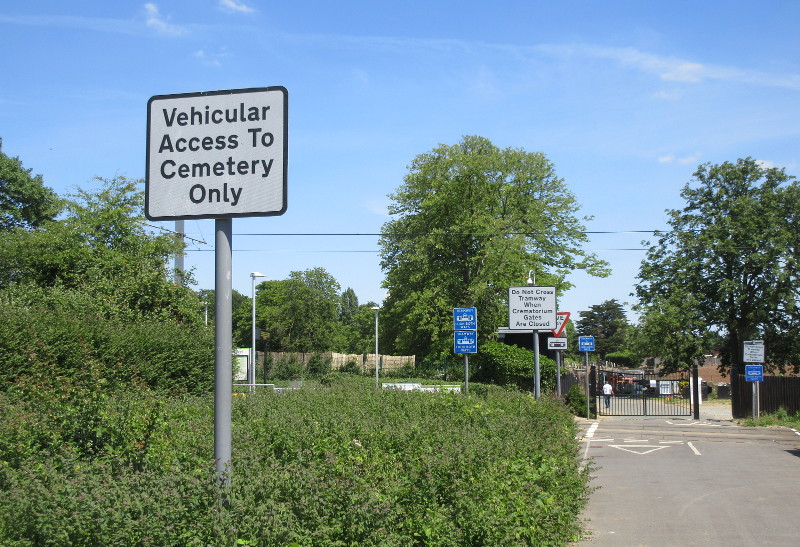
(625, 98)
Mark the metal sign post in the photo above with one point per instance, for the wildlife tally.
(220, 155)
(557, 345)
(465, 337)
(223, 342)
(533, 307)
(586, 344)
(754, 353)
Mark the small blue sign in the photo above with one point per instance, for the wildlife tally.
(754, 373)
(586, 343)
(465, 319)
(465, 341)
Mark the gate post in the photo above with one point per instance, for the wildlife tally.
(695, 392)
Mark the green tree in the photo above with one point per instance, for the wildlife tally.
(607, 323)
(728, 266)
(92, 293)
(25, 202)
(470, 221)
(358, 336)
(101, 246)
(300, 313)
(348, 307)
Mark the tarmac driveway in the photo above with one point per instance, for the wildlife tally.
(677, 481)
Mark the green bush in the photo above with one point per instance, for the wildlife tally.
(576, 401)
(345, 465)
(318, 365)
(285, 368)
(61, 333)
(503, 364)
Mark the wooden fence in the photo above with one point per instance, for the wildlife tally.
(774, 392)
(363, 362)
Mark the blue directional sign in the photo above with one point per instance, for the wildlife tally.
(465, 341)
(586, 343)
(465, 319)
(754, 373)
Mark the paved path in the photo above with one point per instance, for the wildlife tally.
(678, 481)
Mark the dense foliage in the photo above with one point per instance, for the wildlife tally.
(728, 265)
(93, 291)
(504, 364)
(607, 323)
(25, 202)
(470, 221)
(344, 465)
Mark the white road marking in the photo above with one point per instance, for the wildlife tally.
(630, 447)
(696, 452)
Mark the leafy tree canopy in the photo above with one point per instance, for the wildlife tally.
(728, 266)
(101, 246)
(25, 202)
(470, 221)
(300, 313)
(607, 323)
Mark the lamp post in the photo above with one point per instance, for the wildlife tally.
(251, 365)
(376, 309)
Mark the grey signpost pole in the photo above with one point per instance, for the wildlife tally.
(537, 385)
(466, 373)
(558, 372)
(588, 394)
(188, 178)
(223, 336)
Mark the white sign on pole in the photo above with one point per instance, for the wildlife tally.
(218, 154)
(753, 351)
(556, 343)
(532, 308)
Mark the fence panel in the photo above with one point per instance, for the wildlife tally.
(774, 392)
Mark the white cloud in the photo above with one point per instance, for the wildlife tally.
(206, 60)
(686, 160)
(235, 6)
(673, 69)
(155, 22)
(672, 95)
(685, 72)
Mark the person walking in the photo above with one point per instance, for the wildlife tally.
(607, 392)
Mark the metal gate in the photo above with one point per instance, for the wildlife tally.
(637, 393)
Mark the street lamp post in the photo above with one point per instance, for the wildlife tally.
(251, 365)
(376, 309)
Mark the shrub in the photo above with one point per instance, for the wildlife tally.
(576, 402)
(504, 364)
(285, 368)
(318, 365)
(345, 465)
(61, 333)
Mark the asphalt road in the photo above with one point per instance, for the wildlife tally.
(678, 481)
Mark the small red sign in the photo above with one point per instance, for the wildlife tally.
(562, 318)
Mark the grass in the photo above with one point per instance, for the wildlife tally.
(779, 418)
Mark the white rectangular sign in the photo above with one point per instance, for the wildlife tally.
(556, 343)
(753, 351)
(532, 308)
(217, 154)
